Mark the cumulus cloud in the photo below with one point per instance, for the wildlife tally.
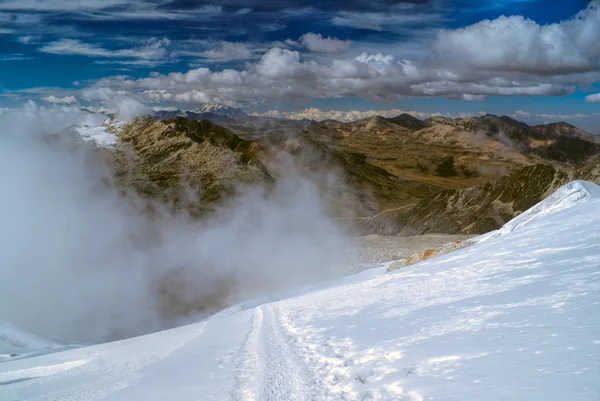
(367, 57)
(519, 44)
(60, 100)
(228, 51)
(595, 98)
(284, 74)
(473, 98)
(500, 87)
(522, 113)
(124, 105)
(317, 43)
(489, 58)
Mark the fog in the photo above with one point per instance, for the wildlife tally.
(79, 262)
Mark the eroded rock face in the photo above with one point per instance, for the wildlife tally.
(185, 163)
(481, 209)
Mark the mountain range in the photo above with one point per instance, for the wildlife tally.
(398, 175)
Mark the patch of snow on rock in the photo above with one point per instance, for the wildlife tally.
(103, 135)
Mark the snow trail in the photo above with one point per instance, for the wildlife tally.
(273, 368)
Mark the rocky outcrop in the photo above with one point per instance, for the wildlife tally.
(481, 209)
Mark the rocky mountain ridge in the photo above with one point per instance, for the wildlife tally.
(393, 176)
(186, 164)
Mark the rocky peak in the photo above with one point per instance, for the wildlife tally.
(408, 121)
(561, 128)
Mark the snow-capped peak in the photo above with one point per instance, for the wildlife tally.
(220, 110)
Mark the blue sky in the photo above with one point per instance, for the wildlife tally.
(535, 57)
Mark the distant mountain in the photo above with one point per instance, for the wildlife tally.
(393, 175)
(554, 130)
(206, 112)
(555, 142)
(409, 121)
(220, 110)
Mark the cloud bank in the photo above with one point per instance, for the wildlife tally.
(489, 58)
(80, 262)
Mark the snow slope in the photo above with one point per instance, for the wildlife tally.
(15, 341)
(567, 196)
(514, 317)
(97, 134)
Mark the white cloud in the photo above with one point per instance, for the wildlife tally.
(19, 19)
(537, 117)
(473, 98)
(145, 11)
(28, 40)
(283, 74)
(150, 53)
(317, 43)
(109, 9)
(59, 5)
(60, 100)
(484, 59)
(380, 21)
(521, 45)
(243, 11)
(499, 87)
(521, 113)
(121, 103)
(14, 57)
(366, 58)
(228, 51)
(595, 98)
(164, 108)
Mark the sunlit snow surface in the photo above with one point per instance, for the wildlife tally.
(514, 317)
